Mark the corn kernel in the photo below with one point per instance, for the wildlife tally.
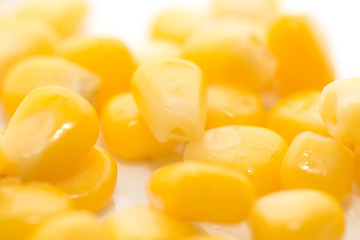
(24, 206)
(108, 58)
(339, 109)
(125, 131)
(39, 71)
(65, 16)
(145, 223)
(170, 93)
(21, 39)
(231, 106)
(255, 151)
(296, 113)
(297, 215)
(156, 49)
(51, 130)
(232, 53)
(93, 186)
(254, 10)
(302, 61)
(70, 226)
(177, 25)
(201, 192)
(357, 164)
(318, 162)
(206, 237)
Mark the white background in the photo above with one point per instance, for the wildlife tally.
(130, 20)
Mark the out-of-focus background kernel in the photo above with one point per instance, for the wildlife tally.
(131, 20)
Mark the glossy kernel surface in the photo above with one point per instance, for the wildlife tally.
(233, 106)
(298, 215)
(92, 187)
(255, 151)
(52, 129)
(340, 108)
(170, 93)
(297, 113)
(126, 133)
(318, 162)
(195, 191)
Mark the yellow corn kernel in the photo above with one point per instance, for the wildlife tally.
(92, 186)
(297, 215)
(196, 191)
(52, 129)
(125, 131)
(75, 225)
(20, 39)
(156, 49)
(295, 114)
(205, 237)
(170, 93)
(255, 151)
(65, 16)
(357, 165)
(232, 53)
(254, 10)
(232, 106)
(177, 25)
(107, 57)
(318, 162)
(145, 223)
(24, 206)
(339, 109)
(302, 61)
(39, 71)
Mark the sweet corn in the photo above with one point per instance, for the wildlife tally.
(145, 223)
(296, 113)
(232, 53)
(156, 49)
(231, 106)
(339, 109)
(170, 93)
(107, 57)
(297, 215)
(24, 206)
(20, 39)
(125, 131)
(201, 192)
(39, 71)
(206, 237)
(318, 162)
(302, 61)
(254, 10)
(255, 151)
(70, 226)
(357, 165)
(177, 25)
(65, 16)
(52, 129)
(93, 186)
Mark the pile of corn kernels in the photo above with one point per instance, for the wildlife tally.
(197, 90)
